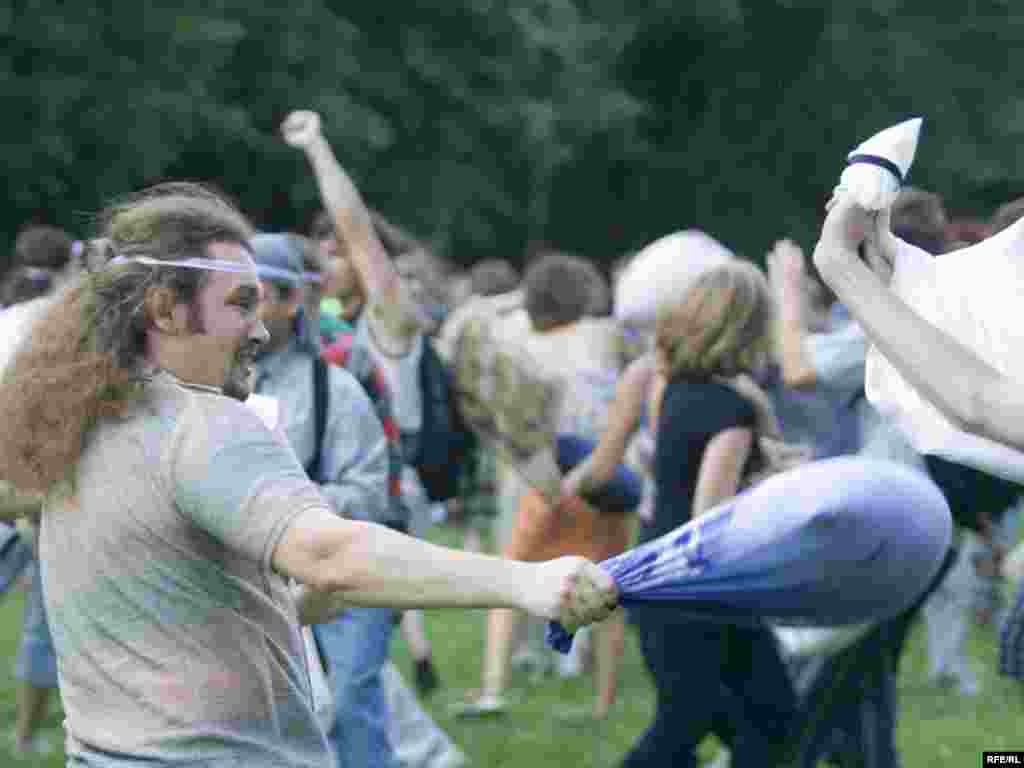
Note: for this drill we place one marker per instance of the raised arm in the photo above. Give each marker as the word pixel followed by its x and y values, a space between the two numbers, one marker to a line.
pixel 786 273
pixel 969 392
pixel 353 223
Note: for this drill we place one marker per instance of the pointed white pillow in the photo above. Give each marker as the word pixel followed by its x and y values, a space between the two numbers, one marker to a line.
pixel 878 167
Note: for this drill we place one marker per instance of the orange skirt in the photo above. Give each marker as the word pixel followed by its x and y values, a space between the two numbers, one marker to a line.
pixel 572 527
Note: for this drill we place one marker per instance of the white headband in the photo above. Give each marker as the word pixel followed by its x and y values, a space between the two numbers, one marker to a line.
pixel 210 265
pixel 219 265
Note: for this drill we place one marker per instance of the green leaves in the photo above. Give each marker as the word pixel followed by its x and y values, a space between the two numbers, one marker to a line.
pixel 593 124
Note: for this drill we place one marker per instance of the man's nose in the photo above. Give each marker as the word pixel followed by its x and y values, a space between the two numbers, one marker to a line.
pixel 259 335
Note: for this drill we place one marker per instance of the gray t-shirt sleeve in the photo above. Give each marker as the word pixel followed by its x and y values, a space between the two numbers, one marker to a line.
pixel 838 359
pixel 231 477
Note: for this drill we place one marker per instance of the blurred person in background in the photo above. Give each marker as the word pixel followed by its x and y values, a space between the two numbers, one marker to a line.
pixel 1001 563
pixel 962 232
pixel 584 355
pixel 416 739
pixel 709 676
pixel 1005 215
pixel 459 289
pixel 23 284
pixel 815 415
pixel 340 288
pixel 476 506
pixel 834 360
pixel 491 277
pixel 45 258
pixel 599 303
pixel 391 284
pixel 333 429
pixel 421 272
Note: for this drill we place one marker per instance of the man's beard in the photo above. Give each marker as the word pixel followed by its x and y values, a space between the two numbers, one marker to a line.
pixel 241 378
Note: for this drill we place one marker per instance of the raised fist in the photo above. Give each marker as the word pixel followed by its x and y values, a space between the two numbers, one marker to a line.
pixel 300 129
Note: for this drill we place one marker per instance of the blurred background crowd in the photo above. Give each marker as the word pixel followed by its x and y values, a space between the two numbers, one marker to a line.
pixel 514 159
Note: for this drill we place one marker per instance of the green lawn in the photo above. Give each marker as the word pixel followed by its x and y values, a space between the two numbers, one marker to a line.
pixel 937 728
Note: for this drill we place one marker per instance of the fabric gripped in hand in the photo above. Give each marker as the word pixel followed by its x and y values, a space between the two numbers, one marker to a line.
pixel 834 542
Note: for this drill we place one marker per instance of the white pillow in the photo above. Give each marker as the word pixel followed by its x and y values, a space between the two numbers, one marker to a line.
pixel 974 295
pixel 663 271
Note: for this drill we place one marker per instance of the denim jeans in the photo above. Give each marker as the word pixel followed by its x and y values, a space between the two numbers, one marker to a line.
pixel 36 662
pixel 355 647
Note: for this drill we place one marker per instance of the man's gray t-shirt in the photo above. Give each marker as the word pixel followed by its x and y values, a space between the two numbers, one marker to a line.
pixel 176 641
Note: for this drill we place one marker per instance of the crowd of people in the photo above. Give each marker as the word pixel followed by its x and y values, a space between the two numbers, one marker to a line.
pixel 224 449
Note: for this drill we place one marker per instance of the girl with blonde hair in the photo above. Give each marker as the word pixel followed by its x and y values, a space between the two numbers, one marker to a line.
pixel 708 677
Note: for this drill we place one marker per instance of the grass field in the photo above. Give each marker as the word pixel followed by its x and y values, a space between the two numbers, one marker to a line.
pixel 937 728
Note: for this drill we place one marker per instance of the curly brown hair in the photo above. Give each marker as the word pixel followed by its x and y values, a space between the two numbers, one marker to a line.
pixel 83 359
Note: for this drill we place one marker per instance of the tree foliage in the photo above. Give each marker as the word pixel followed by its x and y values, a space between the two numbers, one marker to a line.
pixel 595 125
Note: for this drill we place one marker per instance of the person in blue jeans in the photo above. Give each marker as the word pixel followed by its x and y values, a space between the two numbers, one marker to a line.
pixel 36 669
pixel 346 454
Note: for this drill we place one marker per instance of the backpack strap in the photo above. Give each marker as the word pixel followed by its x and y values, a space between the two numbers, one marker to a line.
pixel 319 416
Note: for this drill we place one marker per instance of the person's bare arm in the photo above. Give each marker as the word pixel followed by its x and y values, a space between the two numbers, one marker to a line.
pixel 353 226
pixel 969 392
pixel 721 467
pixel 786 272
pixel 344 563
pixel 623 417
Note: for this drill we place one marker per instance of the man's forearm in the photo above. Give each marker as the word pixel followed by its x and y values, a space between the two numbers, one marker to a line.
pixel 369 565
pixel 379 567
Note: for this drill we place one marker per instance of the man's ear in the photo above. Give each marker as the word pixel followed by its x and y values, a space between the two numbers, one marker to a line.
pixel 165 312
